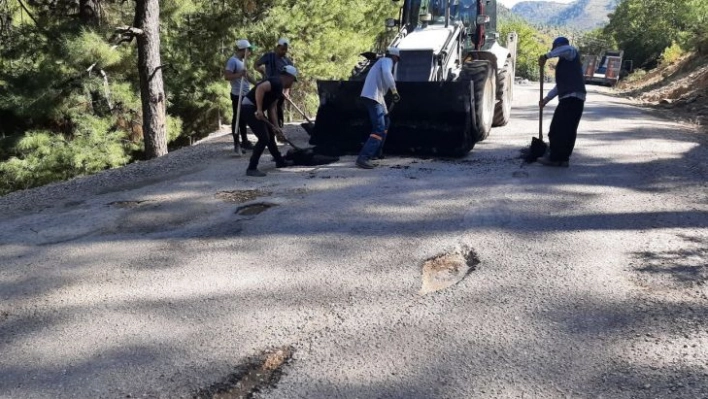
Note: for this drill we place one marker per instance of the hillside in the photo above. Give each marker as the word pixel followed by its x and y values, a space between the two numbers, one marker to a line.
pixel 580 14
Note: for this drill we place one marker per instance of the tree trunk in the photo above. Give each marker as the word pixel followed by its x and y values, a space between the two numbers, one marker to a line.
pixel 147 17
pixel 89 12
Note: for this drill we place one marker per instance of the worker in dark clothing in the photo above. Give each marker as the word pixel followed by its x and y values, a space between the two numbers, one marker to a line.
pixel 570 90
pixel 270 65
pixel 259 106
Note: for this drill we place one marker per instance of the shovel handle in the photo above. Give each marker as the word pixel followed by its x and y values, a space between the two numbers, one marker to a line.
pixel 287 140
pixel 298 109
pixel 540 108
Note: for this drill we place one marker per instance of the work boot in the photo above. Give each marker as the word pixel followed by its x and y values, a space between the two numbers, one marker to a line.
pixel 365 164
pixel 548 162
pixel 255 173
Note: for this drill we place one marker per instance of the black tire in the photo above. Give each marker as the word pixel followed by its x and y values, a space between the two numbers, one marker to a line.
pixel 482 75
pixel 505 93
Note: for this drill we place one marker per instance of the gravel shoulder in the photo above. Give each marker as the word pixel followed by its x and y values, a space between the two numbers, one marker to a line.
pixel 168 278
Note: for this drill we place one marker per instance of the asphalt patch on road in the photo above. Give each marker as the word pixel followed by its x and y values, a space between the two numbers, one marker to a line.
pixel 254 375
pixel 254 209
pixel 240 196
pixel 127 204
pixel 445 270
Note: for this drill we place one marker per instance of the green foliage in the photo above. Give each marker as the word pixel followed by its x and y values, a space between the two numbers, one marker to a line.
pixel 671 54
pixel 42 156
pixel 646 28
pixel 595 42
pixel 636 76
pixel 532 44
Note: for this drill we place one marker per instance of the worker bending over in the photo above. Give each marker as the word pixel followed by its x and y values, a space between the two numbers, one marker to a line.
pixel 378 82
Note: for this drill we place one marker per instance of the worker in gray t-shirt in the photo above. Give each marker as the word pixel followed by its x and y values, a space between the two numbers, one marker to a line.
pixel 271 64
pixel 234 71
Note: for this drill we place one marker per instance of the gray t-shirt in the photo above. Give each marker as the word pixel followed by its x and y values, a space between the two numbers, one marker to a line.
pixel 273 64
pixel 234 65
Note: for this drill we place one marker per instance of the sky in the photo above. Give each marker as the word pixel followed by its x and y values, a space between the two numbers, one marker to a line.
pixel 511 3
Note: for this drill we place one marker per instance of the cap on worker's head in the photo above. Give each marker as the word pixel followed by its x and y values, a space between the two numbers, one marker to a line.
pixel 283 42
pixel 243 44
pixel 290 70
pixel 393 51
pixel 561 41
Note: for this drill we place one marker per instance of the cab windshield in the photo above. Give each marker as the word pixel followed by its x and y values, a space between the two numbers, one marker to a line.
pixel 464 11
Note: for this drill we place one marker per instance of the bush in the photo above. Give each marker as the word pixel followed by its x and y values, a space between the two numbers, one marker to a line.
pixel 42 157
pixel 636 76
pixel 671 54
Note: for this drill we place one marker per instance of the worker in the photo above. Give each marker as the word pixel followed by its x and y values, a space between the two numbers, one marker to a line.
pixel 259 107
pixel 378 82
pixel 570 90
pixel 270 65
pixel 234 72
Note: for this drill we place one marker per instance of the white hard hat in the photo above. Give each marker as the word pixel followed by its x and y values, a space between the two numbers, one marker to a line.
pixel 243 44
pixel 283 42
pixel 290 70
pixel 394 51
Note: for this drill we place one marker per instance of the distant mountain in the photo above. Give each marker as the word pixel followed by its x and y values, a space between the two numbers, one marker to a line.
pixel 538 12
pixel 580 14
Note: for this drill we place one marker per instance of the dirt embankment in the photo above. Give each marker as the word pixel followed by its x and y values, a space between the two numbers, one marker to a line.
pixel 679 89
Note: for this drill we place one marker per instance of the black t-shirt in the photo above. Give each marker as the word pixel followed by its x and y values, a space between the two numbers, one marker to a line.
pixel 273 64
pixel 270 97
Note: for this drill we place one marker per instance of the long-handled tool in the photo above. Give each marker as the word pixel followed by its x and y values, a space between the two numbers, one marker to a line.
pixel 309 126
pixel 284 137
pixel 538 147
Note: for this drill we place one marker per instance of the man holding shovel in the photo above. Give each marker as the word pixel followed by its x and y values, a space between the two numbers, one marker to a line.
pixel 259 108
pixel 378 82
pixel 238 75
pixel 570 90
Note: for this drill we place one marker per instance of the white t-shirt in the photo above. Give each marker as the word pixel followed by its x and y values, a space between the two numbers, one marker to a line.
pixel 379 81
pixel 235 65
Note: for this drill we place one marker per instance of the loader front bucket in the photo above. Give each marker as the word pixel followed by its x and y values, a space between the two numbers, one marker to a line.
pixel 433 118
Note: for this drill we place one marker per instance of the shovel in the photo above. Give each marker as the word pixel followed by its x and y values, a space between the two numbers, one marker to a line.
pixel 284 137
pixel 309 126
pixel 538 147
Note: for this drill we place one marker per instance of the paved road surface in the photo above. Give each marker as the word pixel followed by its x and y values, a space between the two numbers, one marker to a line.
pixel 590 281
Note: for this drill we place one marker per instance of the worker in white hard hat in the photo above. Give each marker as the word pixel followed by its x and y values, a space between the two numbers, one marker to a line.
pixel 378 82
pixel 260 110
pixel 270 65
pixel 234 72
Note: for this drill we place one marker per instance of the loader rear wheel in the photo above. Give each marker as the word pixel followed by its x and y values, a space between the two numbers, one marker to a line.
pixel 505 87
pixel 483 77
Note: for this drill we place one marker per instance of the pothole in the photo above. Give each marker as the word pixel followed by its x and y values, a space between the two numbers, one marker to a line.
pixel 128 204
pixel 240 196
pixel 254 375
pixel 254 209
pixel 448 269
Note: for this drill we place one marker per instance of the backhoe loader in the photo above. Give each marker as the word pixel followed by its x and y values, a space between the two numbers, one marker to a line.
pixel 455 79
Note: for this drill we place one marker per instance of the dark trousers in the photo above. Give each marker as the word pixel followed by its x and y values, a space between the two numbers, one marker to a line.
pixel 265 137
pixel 564 128
pixel 241 122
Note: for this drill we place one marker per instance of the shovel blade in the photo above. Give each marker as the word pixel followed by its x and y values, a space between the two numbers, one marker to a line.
pixel 537 150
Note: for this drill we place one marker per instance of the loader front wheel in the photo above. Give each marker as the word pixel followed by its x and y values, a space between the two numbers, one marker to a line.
pixel 505 87
pixel 482 75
